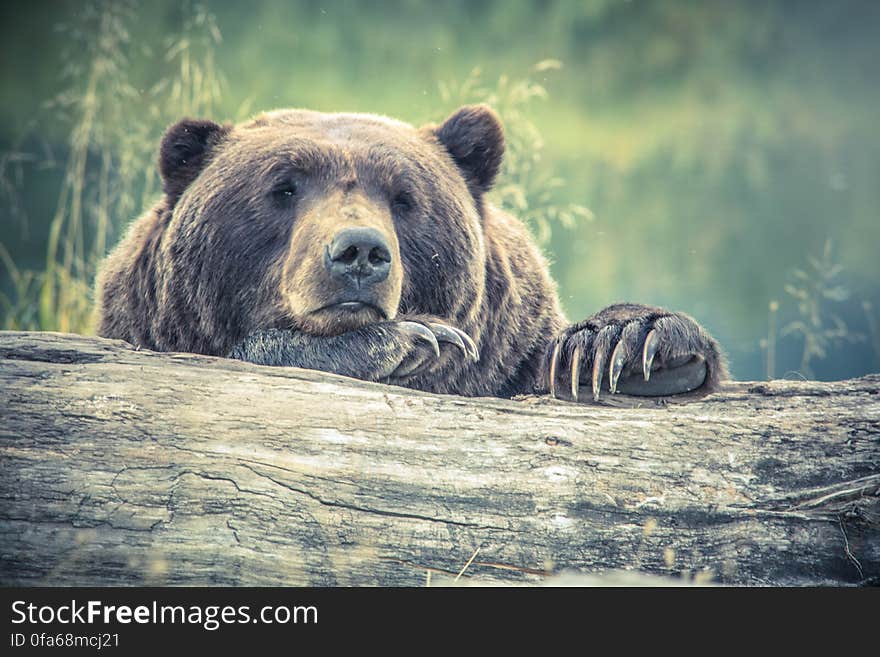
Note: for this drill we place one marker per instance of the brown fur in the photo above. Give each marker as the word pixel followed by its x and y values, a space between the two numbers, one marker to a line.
pixel 230 260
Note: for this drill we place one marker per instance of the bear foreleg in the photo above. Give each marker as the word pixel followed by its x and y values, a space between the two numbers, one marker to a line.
pixel 391 352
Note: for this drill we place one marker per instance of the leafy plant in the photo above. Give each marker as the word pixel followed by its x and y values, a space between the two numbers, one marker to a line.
pixel 526 187
pixel 815 289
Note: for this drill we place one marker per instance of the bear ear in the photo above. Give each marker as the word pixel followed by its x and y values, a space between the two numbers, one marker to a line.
pixel 184 151
pixel 475 139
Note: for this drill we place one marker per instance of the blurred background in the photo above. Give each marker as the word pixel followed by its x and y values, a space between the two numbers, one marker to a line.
pixel 720 158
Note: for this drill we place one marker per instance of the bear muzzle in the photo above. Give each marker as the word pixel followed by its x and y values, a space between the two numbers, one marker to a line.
pixel 358 260
pixel 344 268
pixel 358 257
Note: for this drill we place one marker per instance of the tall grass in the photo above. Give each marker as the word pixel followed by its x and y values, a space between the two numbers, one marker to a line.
pixel 109 171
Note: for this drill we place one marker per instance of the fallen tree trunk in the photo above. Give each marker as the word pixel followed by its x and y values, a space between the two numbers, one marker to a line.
pixel 127 467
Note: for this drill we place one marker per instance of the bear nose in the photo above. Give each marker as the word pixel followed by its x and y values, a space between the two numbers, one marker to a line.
pixel 360 255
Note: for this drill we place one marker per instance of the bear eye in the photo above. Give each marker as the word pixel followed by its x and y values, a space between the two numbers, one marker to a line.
pixel 284 191
pixel 402 202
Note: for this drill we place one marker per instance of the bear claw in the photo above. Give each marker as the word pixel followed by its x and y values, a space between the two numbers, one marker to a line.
pixel 618 359
pixel 554 363
pixel 575 372
pixel 598 367
pixel 457 337
pixel 434 333
pixel 652 344
pixel 422 332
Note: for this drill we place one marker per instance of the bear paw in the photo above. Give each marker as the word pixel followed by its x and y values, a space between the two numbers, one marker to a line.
pixel 644 351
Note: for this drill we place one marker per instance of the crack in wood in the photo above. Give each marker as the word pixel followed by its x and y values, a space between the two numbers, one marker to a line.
pixel 380 512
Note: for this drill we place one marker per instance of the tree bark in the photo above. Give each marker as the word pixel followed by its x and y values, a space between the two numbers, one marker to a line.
pixel 126 467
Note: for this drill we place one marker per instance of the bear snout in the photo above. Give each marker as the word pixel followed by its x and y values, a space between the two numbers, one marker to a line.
pixel 343 269
pixel 358 257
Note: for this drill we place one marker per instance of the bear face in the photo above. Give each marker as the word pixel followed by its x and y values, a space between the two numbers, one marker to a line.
pixel 323 222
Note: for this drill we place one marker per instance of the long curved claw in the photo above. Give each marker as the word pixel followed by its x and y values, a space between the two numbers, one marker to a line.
pixel 473 352
pixel 652 344
pixel 422 332
pixel 618 359
pixel 575 372
pixel 598 368
pixel 457 337
pixel 554 363
pixel 445 333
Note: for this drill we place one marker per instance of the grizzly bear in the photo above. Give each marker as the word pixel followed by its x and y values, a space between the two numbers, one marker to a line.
pixel 363 246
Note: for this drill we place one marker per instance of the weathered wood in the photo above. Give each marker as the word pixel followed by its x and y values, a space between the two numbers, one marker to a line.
pixel 126 467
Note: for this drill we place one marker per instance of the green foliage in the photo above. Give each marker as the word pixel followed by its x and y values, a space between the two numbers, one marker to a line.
pixel 816 289
pixel 19 309
pixel 527 187
pixel 109 171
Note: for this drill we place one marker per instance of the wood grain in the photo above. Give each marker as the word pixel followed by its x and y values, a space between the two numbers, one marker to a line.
pixel 125 467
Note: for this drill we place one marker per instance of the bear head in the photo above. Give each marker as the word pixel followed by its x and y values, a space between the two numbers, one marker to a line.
pixel 324 222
